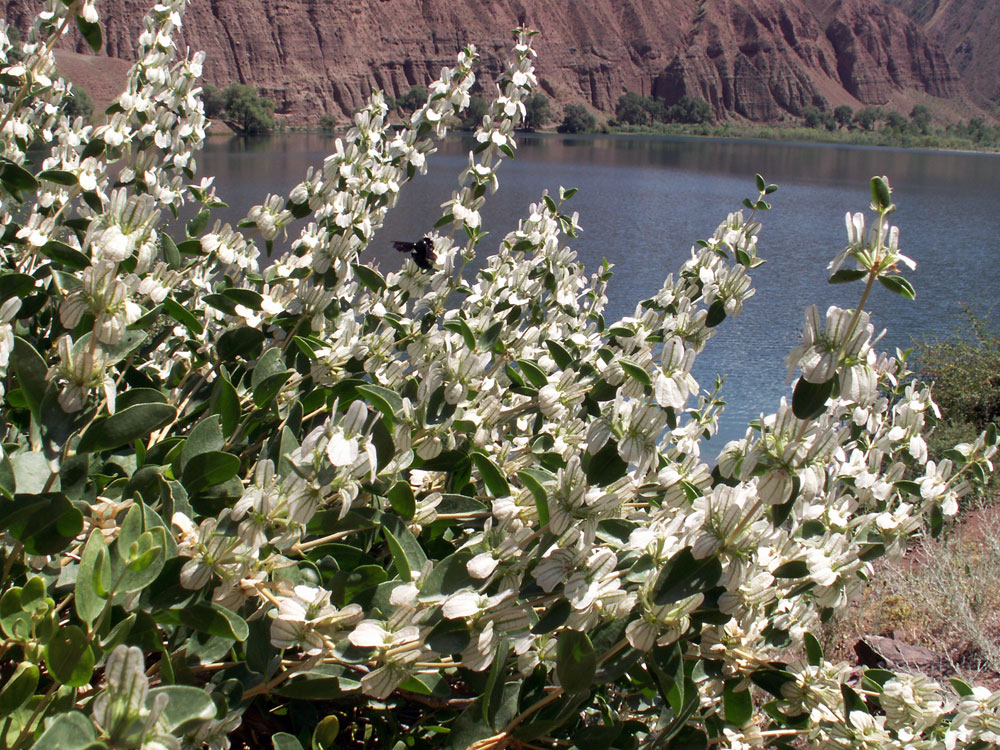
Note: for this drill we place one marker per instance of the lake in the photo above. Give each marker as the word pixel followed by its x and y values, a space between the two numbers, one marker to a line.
pixel 643 201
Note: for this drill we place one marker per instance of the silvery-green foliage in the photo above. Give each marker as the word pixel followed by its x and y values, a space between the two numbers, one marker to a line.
pixel 440 505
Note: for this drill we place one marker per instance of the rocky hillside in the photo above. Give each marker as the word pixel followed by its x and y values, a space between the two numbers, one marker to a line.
pixel 969 32
pixel 759 60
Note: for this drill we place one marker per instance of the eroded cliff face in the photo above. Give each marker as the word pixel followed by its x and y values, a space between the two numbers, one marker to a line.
pixel 756 59
pixel 969 32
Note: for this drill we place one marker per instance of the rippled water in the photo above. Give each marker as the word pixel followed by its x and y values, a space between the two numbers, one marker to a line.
pixel 643 201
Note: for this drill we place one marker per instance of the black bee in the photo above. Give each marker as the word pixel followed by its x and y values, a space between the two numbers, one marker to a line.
pixel 422 249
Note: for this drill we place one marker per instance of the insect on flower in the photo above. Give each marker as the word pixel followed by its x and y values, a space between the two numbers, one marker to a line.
pixel 422 249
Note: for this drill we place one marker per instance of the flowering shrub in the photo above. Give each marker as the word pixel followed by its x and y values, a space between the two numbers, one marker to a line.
pixel 427 508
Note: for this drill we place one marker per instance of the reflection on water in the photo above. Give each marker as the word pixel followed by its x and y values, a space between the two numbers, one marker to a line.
pixel 643 201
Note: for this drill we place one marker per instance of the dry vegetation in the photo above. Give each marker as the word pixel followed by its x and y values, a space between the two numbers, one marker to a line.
pixel 944 595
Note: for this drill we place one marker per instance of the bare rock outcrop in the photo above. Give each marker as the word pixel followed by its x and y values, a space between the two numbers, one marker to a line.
pixel 762 60
pixel 968 31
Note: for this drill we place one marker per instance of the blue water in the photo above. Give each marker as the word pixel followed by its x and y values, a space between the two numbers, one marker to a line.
pixel 643 201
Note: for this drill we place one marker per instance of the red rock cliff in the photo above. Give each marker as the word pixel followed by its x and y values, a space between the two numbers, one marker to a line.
pixel 755 59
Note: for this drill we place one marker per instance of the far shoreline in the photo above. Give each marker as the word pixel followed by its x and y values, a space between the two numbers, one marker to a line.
pixel 798 136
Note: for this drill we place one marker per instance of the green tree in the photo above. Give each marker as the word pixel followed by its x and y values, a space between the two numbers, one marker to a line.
pixel 413 99
pixel 632 109
pixel 576 119
pixel 537 111
pixel 964 368
pixel 896 122
pixel 246 111
pixel 691 110
pixel 817 118
pixel 79 104
pixel 478 107
pixel 866 117
pixel 843 115
pixel 213 99
pixel 977 129
pixel 327 123
pixel 921 118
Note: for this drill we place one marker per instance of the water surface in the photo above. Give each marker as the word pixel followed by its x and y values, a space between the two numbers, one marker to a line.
pixel 643 201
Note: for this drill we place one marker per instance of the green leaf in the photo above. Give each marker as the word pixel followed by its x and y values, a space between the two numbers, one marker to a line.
pixel 186 707
pixel 535 375
pixel 560 355
pixel 809 399
pixel 814 651
pixel 285 741
pixel 738 704
pixel 461 327
pixel 204 437
pixel 576 663
pixel 847 275
pixel 388 402
pixel 134 396
pixel 183 316
pixel 852 703
pixel 761 183
pixel 46 523
pixel 68 731
pixel 214 619
pixel 143 560
pixel 239 342
pixel 220 302
pixel 881 194
pixel 449 575
pixel 16 285
pixel 685 737
pixel 91 32
pixel 325 682
pixel 772 680
pixel 325 734
pixel 555 617
pixel 31 373
pixel 127 344
pixel 68 656
pixel 266 392
pixel 898 285
pixel 93 578
pixel 18 688
pixel 16 178
pixel 31 472
pixel 792 569
pixel 716 313
pixel 875 679
pixel 246 297
pixel 492 694
pixel 449 637
pixel 369 277
pixel 209 469
pixel 170 252
pixel 63 253
pixel 530 479
pixel 407 554
pixel 122 427
pixel 402 501
pixel 59 176
pixel 349 585
pixel 271 362
pixel 963 688
pixel 197 225
pixel 635 371
pixel 493 478
pixel 605 466
pixel 683 575
pixel 226 403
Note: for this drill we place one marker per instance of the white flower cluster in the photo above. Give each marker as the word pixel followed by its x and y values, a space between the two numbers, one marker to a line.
pixel 428 471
